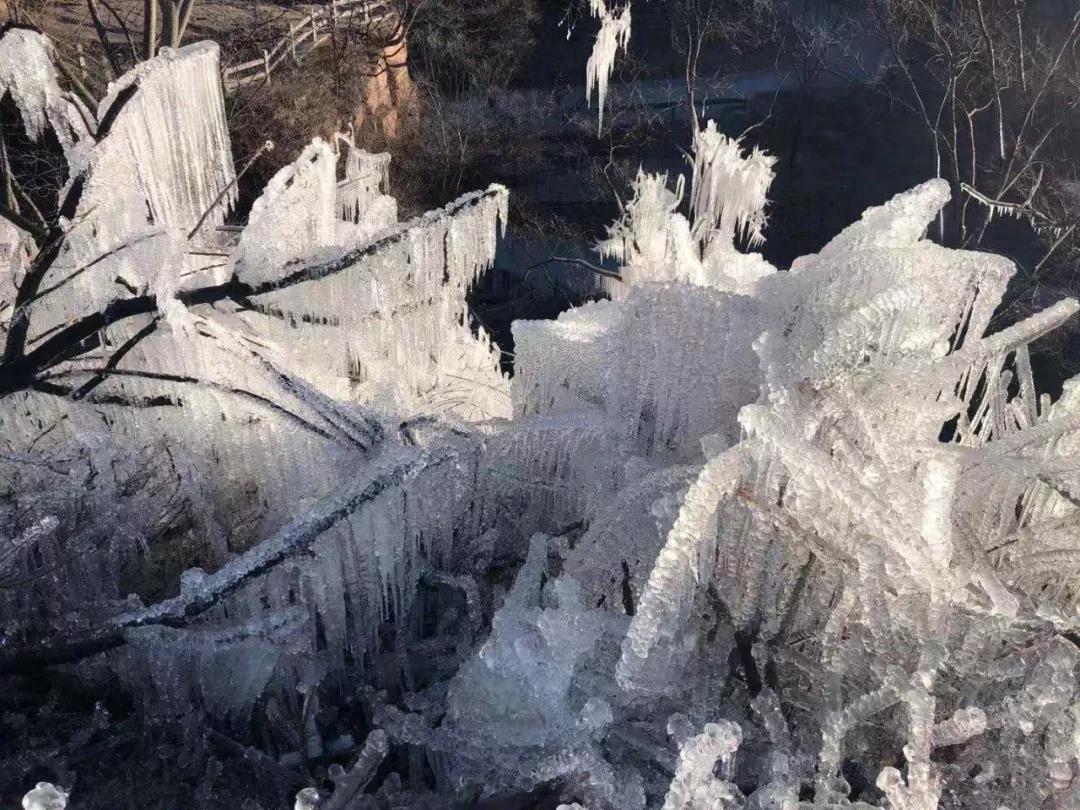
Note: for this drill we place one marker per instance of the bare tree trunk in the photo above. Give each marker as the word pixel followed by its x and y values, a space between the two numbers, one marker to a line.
pixel 170 24
pixel 150 24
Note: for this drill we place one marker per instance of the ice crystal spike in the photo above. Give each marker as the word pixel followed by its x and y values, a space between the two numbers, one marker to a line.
pixel 728 189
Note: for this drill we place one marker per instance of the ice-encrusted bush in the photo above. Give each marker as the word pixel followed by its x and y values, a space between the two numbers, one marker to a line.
pixel 736 538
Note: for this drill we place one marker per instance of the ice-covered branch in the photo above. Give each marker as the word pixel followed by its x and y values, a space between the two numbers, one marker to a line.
pixel 291 540
pixel 80 337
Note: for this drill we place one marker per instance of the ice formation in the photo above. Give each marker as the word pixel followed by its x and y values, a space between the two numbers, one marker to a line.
pixel 874 446
pixel 45 796
pixel 518 683
pixel 137 183
pixel 250 428
pixel 614 36
pixel 653 241
pixel 694 785
pixel 729 189
pixel 736 538
pixel 295 216
pixel 28 73
pixel 366 182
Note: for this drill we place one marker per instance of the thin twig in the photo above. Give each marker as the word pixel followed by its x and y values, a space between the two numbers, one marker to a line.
pixel 600 271
pixel 103 36
pixel 266 147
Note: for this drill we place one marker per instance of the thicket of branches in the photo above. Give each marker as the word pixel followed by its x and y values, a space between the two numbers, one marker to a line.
pixel 994 83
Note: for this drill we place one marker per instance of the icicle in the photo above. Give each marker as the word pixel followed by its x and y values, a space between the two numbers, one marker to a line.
pixel 614 35
pixel 27 72
pixel 728 195
pixel 179 177
pixel 396 312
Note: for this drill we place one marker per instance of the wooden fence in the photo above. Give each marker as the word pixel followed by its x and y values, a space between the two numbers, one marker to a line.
pixel 305 36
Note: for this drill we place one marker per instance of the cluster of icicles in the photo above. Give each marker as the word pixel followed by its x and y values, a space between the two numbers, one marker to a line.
pixel 798 540
pixel 613 37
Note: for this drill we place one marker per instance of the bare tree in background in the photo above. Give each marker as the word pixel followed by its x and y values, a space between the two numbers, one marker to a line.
pixel 698 25
pixel 164 23
pixel 994 83
pixel 175 16
pixel 812 35
pixel 462 46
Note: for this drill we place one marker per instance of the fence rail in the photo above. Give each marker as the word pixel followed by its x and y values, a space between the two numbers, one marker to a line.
pixel 304 36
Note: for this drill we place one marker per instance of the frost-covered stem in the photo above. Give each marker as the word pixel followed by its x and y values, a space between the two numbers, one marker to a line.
pixel 349 785
pixel 939 485
pixel 102 373
pixel 679 567
pixel 694 784
pixel 965 723
pixel 1053 248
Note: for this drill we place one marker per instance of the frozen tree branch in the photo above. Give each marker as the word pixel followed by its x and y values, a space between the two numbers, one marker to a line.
pixel 19 371
pixel 180 611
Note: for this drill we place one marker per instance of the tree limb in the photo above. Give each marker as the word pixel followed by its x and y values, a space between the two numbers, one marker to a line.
pixel 103 36
pixel 19 369
pixel 293 539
